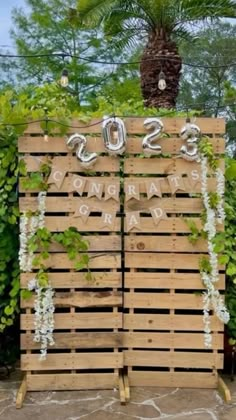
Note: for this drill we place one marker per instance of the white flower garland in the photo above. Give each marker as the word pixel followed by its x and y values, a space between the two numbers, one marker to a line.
pixel 44 316
pixel 212 298
pixel 43 304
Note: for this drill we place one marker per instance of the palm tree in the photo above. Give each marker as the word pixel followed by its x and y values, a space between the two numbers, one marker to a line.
pixel 161 23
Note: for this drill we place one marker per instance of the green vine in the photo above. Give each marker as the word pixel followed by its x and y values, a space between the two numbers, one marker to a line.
pixel 38 180
pixel 73 243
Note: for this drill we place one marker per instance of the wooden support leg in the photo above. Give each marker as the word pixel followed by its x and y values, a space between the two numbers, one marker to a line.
pixel 224 390
pixel 21 393
pixel 127 389
pixel 122 389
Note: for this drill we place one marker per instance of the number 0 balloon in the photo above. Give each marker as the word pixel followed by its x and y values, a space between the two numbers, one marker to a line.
pixel 115 145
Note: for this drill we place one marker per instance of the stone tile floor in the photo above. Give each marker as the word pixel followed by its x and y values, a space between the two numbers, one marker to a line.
pixel 146 404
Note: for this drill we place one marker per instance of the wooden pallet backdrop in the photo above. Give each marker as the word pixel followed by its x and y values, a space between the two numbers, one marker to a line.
pixel 161 327
pixel 88 314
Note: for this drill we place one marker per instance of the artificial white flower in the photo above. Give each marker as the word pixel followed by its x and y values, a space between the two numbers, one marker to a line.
pixel 212 298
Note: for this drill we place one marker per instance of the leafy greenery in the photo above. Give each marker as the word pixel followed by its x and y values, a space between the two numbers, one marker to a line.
pixel 73 243
pixel 229 240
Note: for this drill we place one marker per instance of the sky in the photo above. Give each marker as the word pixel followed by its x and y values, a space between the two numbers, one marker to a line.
pixel 6 7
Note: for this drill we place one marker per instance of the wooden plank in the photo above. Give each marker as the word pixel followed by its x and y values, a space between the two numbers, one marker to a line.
pixel 160 322
pixel 171 225
pixel 173 379
pixel 105 261
pixel 169 146
pixel 33 163
pixel 96 243
pixel 188 281
pixel 163 260
pixel 127 388
pixel 95 144
pixel 162 301
pixel 94 224
pixel 191 360
pixel 67 204
pixel 84 321
pixel 64 361
pixel 78 280
pixel 160 243
pixel 81 300
pixel 154 340
pixel 136 125
pixel 157 166
pixel 169 204
pixel 69 382
pixel 68 340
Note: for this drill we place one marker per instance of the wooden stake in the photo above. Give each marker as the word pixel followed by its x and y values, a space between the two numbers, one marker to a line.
pixel 122 390
pixel 21 393
pixel 224 390
pixel 127 389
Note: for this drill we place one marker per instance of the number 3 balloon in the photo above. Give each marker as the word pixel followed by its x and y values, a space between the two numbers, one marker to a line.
pixel 149 146
pixel 191 133
pixel 87 160
pixel 117 126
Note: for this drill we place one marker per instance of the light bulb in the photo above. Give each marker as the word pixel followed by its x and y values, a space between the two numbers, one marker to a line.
pixel 162 84
pixel 64 78
pixel 162 81
pixel 45 136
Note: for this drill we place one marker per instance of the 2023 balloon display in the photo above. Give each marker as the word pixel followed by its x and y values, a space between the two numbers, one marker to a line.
pixel 115 140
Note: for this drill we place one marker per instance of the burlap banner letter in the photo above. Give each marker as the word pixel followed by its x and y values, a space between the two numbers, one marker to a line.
pixel 133 220
pixel 56 177
pixel 132 191
pixel 112 190
pixel 95 189
pixel 108 220
pixel 194 177
pixel 83 211
pixel 77 184
pixel 153 188
pixel 158 214
pixel 176 183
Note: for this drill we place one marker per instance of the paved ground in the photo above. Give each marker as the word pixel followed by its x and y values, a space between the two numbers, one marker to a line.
pixel 146 404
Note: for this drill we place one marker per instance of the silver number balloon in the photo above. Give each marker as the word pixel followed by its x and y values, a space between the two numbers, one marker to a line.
pixel 149 146
pixel 87 160
pixel 116 144
pixel 191 133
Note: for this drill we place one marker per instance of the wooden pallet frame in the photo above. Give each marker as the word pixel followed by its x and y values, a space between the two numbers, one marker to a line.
pixel 159 336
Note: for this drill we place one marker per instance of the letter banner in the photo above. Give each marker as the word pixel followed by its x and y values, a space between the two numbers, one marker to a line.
pixel 194 177
pixel 95 189
pixel 56 177
pixel 153 188
pixel 109 219
pixel 83 211
pixel 133 220
pixel 176 183
pixel 77 183
pixel 132 190
pixel 158 214
pixel 112 190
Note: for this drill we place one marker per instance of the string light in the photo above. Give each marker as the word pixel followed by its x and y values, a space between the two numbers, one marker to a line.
pixel 64 82
pixel 161 81
pixel 121 63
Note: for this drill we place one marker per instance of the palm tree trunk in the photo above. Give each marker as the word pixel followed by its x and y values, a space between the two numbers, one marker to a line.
pixel 160 54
